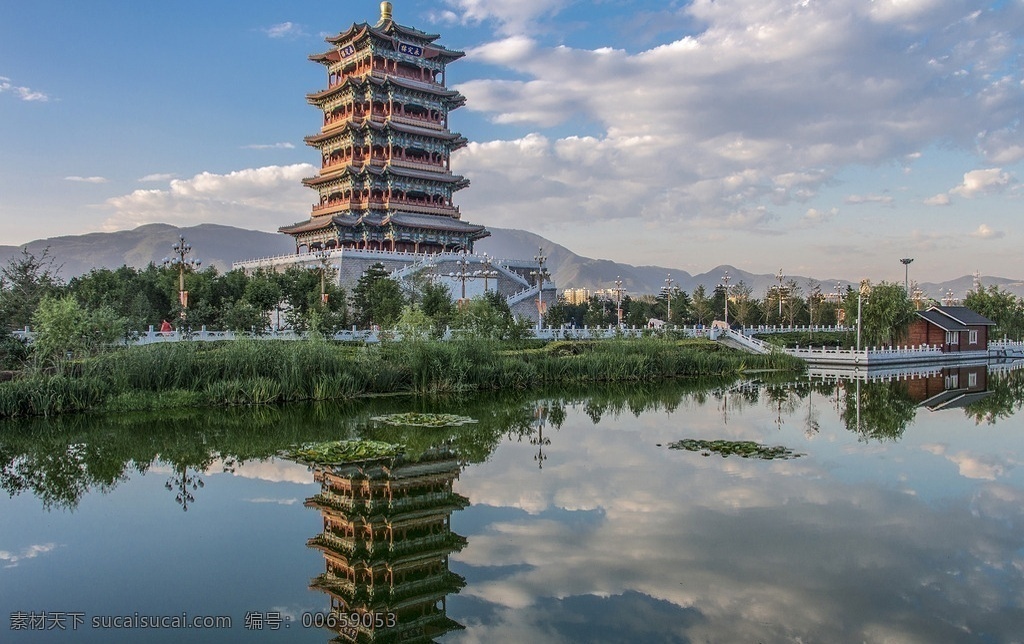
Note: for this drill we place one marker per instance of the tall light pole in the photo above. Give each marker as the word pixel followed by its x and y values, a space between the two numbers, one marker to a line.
pixel 618 290
pixel 667 290
pixel 906 274
pixel 725 283
pixel 539 275
pixel 324 257
pixel 181 249
pixel 487 270
pixel 779 277
pixel 864 289
pixel 462 275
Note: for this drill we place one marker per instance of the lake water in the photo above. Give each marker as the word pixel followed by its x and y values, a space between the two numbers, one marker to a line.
pixel 564 517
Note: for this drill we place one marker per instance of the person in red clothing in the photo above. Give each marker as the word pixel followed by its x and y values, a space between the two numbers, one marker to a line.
pixel 166 328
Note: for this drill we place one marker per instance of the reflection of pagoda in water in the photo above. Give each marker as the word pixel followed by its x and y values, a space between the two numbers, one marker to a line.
pixel 386 542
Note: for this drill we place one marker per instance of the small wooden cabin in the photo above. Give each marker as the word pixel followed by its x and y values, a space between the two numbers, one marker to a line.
pixel 953 328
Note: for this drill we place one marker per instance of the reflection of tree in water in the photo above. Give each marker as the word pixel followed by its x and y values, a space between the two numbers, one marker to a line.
pixel 1005 400
pixel 386 542
pixel 878 410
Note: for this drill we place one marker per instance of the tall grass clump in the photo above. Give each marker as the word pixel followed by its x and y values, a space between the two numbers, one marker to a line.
pixel 251 372
pixel 50 396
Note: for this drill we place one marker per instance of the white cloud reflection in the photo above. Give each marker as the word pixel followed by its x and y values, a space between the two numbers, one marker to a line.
pixel 798 550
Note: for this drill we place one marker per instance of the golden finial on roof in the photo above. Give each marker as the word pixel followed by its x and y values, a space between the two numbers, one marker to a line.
pixel 385 11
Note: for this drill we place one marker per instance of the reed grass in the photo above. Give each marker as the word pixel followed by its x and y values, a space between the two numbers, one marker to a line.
pixel 266 372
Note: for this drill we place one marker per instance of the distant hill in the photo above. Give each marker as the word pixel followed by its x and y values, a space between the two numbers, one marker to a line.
pixel 219 246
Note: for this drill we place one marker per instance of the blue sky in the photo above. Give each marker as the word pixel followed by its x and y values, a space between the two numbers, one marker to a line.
pixel 827 138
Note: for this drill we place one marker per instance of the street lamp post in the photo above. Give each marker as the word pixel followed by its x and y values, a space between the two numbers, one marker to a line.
pixel 618 290
pixel 779 277
pixel 324 257
pixel 462 275
pixel 906 274
pixel 667 290
pixel 181 249
pixel 725 283
pixel 540 274
pixel 487 270
pixel 861 292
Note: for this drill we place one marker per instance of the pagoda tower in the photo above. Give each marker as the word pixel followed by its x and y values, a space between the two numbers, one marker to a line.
pixel 385 182
pixel 386 541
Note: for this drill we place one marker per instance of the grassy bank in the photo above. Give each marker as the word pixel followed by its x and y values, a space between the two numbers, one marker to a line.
pixel 185 374
pixel 841 339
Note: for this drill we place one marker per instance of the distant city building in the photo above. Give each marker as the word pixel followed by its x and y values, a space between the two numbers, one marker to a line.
pixel 385 184
pixel 576 295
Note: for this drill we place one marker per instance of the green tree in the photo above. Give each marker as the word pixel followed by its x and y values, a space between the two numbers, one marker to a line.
pixel 378 299
pixel 24 282
pixel 66 330
pixel 1000 306
pixel 742 305
pixel 488 317
pixel 701 305
pixel 886 313
pixel 437 304
pixel 792 302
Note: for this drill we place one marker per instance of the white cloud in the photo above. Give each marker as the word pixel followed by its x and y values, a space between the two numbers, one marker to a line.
pixel 166 176
pixel 87 179
pixel 269 146
pixel 758 110
pixel 285 30
pixel 941 199
pixel 985 232
pixel 24 93
pixel 982 182
pixel 510 17
pixel 262 198
pixel 869 198
pixel 813 216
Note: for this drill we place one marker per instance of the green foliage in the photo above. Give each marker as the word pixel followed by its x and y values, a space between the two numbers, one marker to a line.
pixel 414 324
pixel 1000 306
pixel 886 313
pixel 701 306
pixel 65 330
pixel 377 298
pixel 24 282
pixel 257 372
pixel 843 339
pixel 142 298
pixel 13 352
pixel 241 315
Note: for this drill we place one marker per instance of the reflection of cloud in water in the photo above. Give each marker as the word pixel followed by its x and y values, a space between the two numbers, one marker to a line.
pixel 971 465
pixel 763 551
pixel 272 470
pixel 277 501
pixel 11 559
pixel 979 466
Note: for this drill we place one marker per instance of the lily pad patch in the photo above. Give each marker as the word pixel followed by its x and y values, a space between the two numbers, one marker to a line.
pixel 743 449
pixel 414 419
pixel 336 452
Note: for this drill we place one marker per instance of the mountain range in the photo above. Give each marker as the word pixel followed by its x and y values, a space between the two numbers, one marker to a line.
pixel 219 246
